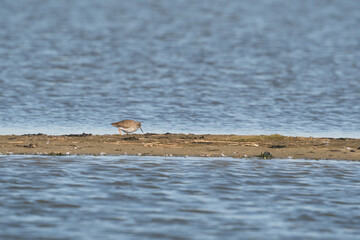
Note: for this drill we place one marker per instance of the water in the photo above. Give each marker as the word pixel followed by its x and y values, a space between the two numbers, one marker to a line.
pixel 224 66
pixel 207 66
pixel 124 197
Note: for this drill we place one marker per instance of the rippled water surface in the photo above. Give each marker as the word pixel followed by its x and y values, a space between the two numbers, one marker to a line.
pixel 224 66
pixel 124 197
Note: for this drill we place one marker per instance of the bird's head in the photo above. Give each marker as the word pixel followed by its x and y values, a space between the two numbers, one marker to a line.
pixel 139 126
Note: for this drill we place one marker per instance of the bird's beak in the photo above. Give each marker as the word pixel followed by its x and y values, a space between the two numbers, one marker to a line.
pixel 141 129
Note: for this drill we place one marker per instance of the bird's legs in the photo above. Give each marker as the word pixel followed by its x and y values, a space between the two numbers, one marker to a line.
pixel 120 132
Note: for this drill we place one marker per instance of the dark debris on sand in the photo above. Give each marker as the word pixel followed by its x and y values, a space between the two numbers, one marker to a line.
pixel 39 134
pixel 277 146
pixel 266 155
pixel 132 138
pixel 79 135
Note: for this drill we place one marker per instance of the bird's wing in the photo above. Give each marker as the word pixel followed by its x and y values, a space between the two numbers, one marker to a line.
pixel 125 123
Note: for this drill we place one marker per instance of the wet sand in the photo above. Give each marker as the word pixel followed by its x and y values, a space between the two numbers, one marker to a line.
pixel 263 146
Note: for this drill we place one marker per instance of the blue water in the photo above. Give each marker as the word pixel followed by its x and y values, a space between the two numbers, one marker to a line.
pixel 214 66
pixel 124 197
pixel 288 67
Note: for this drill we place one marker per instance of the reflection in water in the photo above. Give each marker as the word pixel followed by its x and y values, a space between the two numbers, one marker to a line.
pixel 124 197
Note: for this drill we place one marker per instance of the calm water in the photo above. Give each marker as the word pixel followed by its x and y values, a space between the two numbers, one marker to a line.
pixel 177 198
pixel 224 66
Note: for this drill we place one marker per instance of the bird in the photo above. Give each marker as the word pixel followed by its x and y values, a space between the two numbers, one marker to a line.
pixel 127 126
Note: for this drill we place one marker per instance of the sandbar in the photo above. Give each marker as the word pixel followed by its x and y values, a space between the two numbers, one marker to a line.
pixel 151 144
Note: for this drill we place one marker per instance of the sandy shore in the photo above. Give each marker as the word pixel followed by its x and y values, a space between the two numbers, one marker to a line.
pixel 266 146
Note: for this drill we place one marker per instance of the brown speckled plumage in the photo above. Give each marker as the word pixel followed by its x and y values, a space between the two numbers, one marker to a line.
pixel 127 126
